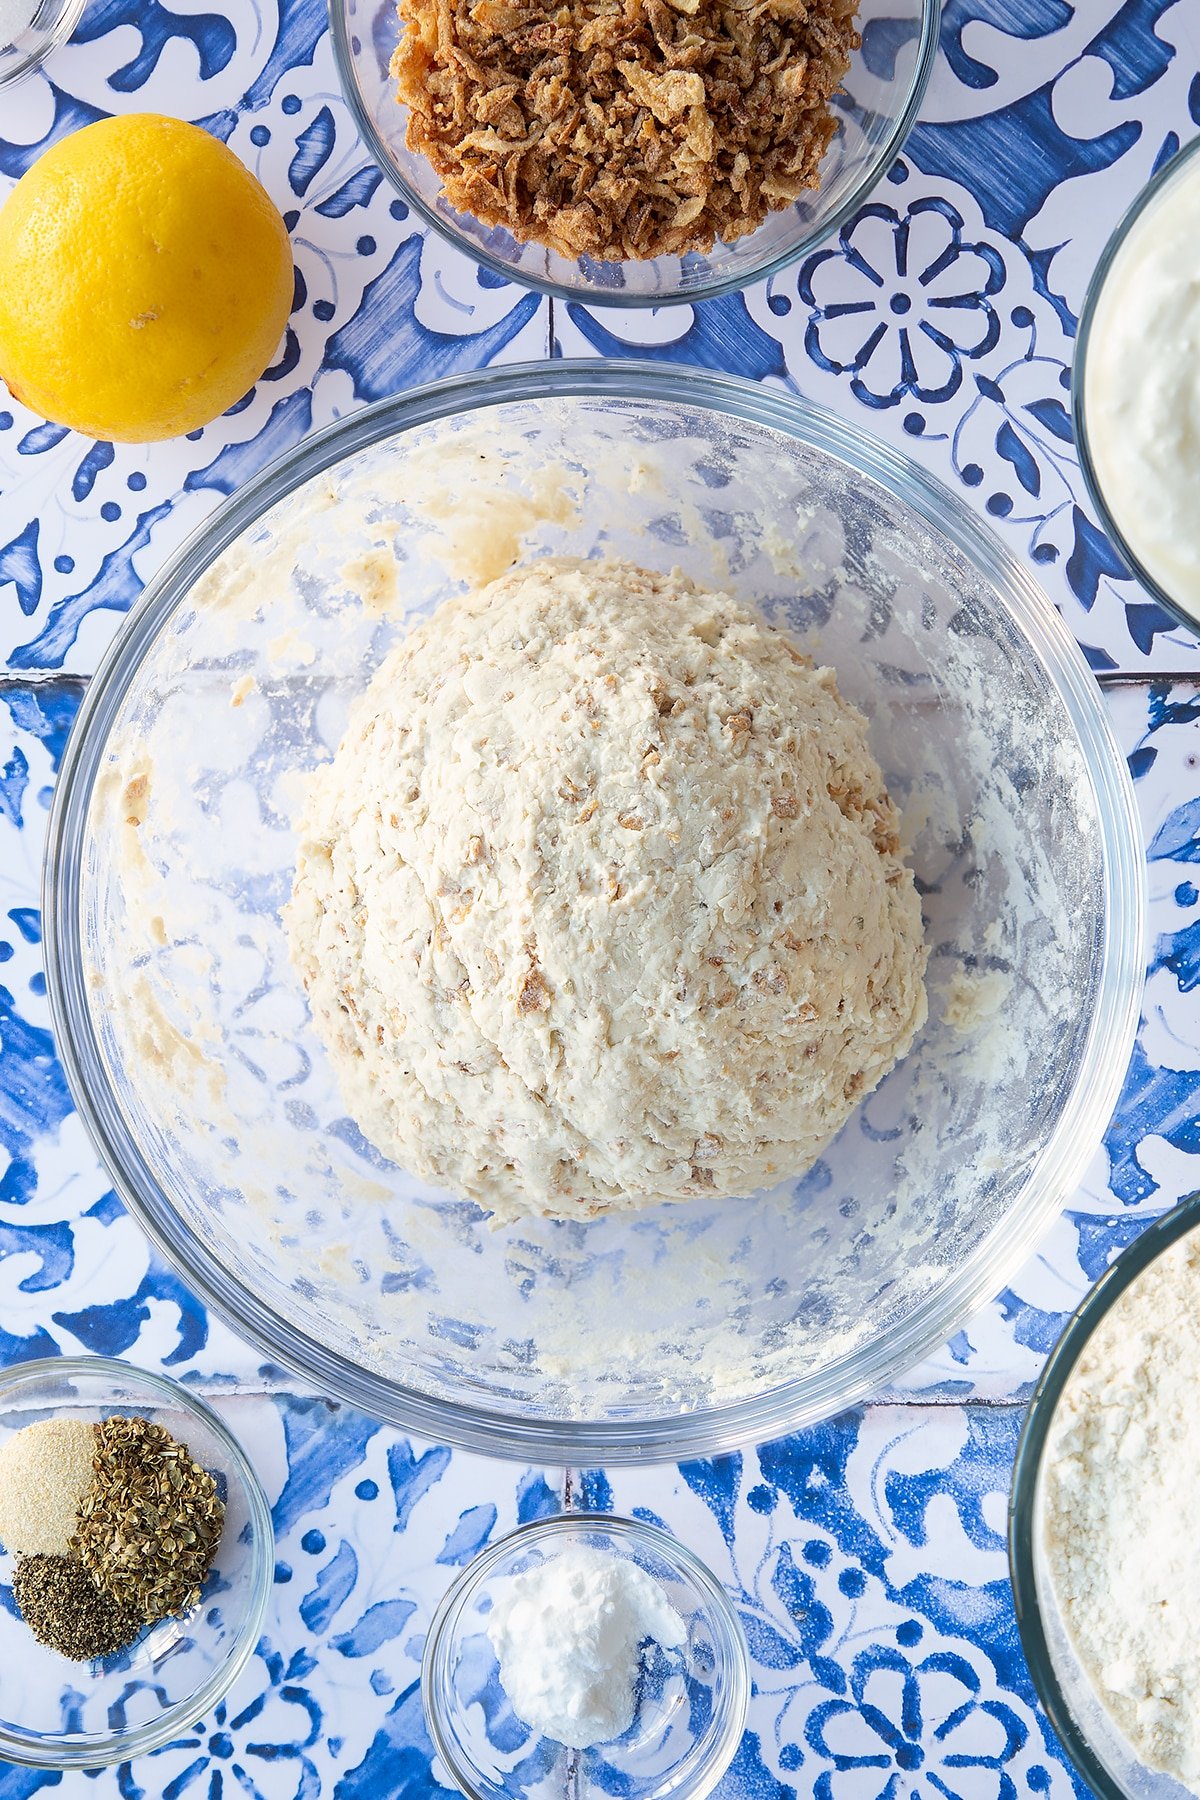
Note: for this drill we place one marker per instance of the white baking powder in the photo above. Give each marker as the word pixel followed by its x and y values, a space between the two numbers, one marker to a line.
pixel 568 1637
pixel 16 16
pixel 1122 1474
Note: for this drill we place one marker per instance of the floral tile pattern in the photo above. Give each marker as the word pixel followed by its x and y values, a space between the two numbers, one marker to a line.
pixel 934 330
pixel 1148 1159
pixel 866 1558
pixel 377 307
pixel 370 1530
pixel 867 1554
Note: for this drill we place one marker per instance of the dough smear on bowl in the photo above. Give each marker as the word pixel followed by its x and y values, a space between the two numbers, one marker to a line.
pixel 601 901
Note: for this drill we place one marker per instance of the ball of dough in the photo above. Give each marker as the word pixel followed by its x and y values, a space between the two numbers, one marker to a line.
pixel 601 902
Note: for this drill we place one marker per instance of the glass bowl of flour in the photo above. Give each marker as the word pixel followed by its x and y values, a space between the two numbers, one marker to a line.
pixel 677 1329
pixel 587 1650
pixel 1101 1536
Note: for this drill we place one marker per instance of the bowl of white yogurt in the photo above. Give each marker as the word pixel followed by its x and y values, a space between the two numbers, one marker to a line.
pixel 1102 1538
pixel 1136 386
pixel 589 1653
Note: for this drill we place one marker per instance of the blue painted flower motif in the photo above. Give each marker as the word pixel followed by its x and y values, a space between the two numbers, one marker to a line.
pixel 914 1728
pixel 241 1753
pixel 901 302
pixel 1014 441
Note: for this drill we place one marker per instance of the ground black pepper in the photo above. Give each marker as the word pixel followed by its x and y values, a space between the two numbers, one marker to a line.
pixel 64 1608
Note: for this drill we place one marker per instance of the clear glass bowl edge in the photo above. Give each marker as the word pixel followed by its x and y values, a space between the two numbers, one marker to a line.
pixel 558 1441
pixel 566 1525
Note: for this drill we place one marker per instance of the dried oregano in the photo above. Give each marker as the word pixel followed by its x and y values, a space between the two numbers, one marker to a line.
pixel 150 1522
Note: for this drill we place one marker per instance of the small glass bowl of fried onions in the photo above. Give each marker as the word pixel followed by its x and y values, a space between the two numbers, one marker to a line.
pixel 634 152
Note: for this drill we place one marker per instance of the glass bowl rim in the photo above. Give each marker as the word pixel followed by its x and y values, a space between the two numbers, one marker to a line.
pixel 1145 197
pixel 1088 1316
pixel 872 174
pixel 117 1746
pixel 53 39
pixel 566 1525
pixel 848 1378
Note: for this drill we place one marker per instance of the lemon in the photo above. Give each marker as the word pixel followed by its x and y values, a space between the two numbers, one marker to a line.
pixel 145 280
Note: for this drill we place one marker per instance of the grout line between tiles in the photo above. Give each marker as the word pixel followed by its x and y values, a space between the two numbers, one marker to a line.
pixel 1115 678
pixel 25 678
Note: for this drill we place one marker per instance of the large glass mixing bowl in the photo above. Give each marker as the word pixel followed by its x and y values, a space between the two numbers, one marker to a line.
pixel 184 1030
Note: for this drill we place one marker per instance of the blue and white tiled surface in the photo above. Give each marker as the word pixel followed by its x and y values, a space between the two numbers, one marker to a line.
pixel 866 1555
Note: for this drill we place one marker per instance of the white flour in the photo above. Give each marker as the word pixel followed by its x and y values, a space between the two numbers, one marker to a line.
pixel 568 1638
pixel 16 16
pixel 1122 1469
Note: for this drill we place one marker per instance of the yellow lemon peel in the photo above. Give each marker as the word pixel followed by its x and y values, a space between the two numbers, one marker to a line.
pixel 145 280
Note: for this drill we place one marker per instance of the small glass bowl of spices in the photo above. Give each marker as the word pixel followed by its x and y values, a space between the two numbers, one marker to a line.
pixel 589 1655
pixel 136 1560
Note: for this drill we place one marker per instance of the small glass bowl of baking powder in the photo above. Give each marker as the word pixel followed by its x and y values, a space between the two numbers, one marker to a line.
pixel 61 1714
pixel 29 31
pixel 688 1700
pixel 1106 1466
